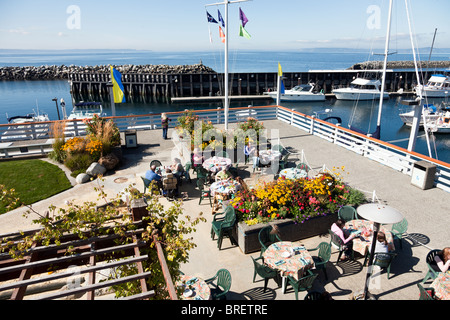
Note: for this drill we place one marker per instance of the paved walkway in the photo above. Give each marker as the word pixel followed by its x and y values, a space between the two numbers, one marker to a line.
pixel 425 210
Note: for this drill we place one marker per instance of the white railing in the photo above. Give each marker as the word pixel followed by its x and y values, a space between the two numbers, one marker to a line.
pixel 385 153
pixel 388 154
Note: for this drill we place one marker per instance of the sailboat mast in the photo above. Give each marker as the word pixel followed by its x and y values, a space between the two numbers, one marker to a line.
pixel 386 53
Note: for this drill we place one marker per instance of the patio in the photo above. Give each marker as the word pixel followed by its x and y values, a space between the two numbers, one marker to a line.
pixel 425 210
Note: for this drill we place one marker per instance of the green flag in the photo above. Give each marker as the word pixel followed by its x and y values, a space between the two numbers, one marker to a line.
pixel 243 32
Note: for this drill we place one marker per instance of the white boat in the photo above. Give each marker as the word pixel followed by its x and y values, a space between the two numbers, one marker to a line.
pixel 429 111
pixel 26 127
pixel 86 110
pixel 438 86
pixel 360 89
pixel 440 125
pixel 304 92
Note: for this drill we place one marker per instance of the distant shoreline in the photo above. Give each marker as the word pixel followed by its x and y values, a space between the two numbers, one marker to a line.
pixel 62 72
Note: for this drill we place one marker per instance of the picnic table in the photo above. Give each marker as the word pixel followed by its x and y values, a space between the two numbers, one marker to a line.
pixel 195 288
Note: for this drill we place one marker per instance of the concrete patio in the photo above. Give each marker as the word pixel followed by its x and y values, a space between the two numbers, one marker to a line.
pixel 425 210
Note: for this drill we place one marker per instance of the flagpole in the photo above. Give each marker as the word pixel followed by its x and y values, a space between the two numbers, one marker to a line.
pixel 226 99
pixel 279 90
pixel 226 102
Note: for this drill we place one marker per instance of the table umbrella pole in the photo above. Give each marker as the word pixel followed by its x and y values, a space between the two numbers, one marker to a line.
pixel 376 227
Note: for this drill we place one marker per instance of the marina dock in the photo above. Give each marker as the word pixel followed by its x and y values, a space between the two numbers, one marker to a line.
pixel 425 210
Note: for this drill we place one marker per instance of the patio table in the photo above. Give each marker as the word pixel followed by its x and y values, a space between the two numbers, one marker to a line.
pixel 293 173
pixel 215 164
pixel 268 156
pixel 441 286
pixel 222 190
pixel 195 288
pixel 362 243
pixel 289 258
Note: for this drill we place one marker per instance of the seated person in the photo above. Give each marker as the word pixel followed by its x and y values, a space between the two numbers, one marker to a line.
pixel 177 169
pixel 170 185
pixel 443 259
pixel 153 176
pixel 223 174
pixel 337 228
pixel 381 245
pixel 197 158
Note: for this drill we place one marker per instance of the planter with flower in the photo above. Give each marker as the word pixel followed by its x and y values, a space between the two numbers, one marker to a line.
pixel 300 208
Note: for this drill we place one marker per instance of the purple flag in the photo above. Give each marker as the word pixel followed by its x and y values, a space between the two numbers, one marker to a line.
pixel 242 17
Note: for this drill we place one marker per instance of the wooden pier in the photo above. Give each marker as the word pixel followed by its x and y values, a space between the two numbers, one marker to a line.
pixel 175 86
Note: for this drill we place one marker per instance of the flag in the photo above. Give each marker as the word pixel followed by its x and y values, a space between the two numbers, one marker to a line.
pixel 222 35
pixel 280 72
pixel 242 17
pixel 243 32
pixel 220 19
pixel 282 87
pixel 118 90
pixel 210 18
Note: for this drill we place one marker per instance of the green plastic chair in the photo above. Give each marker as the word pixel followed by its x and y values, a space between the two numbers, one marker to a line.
pixel 186 174
pixel 221 284
pixel 149 185
pixel 266 237
pixel 398 229
pixel 303 166
pixel 337 242
pixel 303 284
pixel 222 225
pixel 347 213
pixel 146 183
pixel 157 163
pixel 204 193
pixel 264 272
pixel 432 265
pixel 425 293
pixel 283 162
pixel 383 260
pixel 323 256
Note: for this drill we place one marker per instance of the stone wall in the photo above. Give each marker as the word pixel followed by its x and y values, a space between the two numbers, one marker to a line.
pixel 62 72
pixel 371 65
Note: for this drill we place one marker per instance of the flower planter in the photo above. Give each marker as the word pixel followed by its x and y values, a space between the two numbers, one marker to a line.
pixel 247 236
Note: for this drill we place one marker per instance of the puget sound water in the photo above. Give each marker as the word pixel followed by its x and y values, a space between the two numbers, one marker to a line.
pixel 22 97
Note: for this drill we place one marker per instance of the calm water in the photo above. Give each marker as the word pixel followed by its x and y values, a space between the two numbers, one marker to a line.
pixel 22 97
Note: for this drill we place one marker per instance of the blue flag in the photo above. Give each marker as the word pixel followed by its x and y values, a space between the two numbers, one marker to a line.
pixel 221 19
pixel 282 87
pixel 118 90
pixel 210 18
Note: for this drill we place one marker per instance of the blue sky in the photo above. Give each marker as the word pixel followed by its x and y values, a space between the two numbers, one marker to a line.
pixel 174 25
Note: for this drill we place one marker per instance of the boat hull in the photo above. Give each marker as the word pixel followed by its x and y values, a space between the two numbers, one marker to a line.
pixel 297 97
pixel 358 95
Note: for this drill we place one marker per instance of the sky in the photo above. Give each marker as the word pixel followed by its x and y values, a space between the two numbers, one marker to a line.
pixel 181 25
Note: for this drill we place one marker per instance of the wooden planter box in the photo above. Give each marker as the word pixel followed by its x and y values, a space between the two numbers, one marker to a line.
pixel 247 236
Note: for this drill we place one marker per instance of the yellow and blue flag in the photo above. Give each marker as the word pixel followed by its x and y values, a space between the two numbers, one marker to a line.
pixel 118 90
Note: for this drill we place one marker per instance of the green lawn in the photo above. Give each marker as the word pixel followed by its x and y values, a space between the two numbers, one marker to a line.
pixel 33 180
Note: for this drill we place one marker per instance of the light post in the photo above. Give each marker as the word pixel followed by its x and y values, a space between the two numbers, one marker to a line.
pixel 57 109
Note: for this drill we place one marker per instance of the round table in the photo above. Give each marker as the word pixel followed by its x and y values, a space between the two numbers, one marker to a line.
pixel 290 258
pixel 224 187
pixel 194 288
pixel 362 243
pixel 293 173
pixel 215 164
pixel 441 286
pixel 267 156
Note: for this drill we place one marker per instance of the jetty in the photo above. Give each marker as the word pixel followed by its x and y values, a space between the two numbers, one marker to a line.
pixel 425 210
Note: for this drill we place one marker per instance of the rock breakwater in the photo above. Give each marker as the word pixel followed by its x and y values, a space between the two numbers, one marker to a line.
pixel 62 72
pixel 374 65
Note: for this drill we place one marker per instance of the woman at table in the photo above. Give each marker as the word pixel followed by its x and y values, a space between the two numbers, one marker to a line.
pixel 338 229
pixel 381 245
pixel 244 186
pixel 197 158
pixel 177 169
pixel 223 174
pixel 443 259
